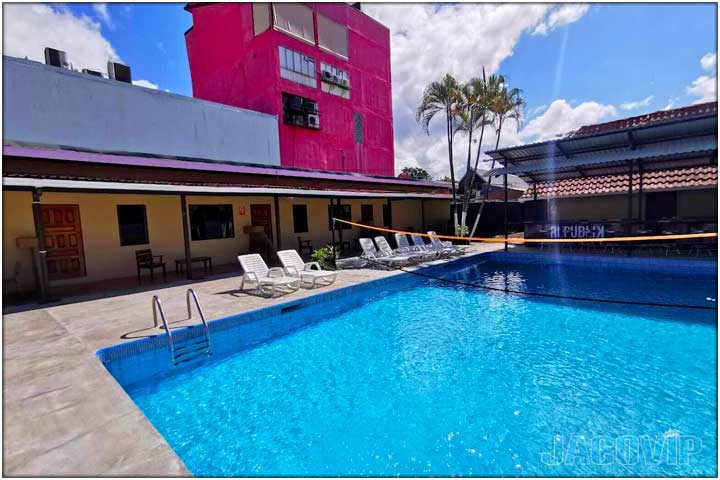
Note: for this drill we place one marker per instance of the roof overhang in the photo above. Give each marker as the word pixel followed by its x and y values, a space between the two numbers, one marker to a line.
pixel 672 144
pixel 47 184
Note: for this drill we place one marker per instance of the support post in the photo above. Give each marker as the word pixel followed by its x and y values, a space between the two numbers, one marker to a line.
pixel 422 213
pixel 628 230
pixel 505 213
pixel 186 236
pixel 641 217
pixel 340 230
pixel 277 224
pixel 41 252
pixel 389 210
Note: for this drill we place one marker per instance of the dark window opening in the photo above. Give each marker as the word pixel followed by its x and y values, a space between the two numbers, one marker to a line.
pixel 343 212
pixel 659 205
pixel 387 215
pixel 208 222
pixel 366 213
pixel 132 221
pixel 300 111
pixel 300 218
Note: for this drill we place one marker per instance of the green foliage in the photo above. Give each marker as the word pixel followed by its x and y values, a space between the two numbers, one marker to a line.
pixel 415 172
pixel 325 256
pixel 461 230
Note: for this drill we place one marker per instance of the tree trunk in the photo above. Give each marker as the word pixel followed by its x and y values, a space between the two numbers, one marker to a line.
pixel 466 189
pixel 489 180
pixel 452 167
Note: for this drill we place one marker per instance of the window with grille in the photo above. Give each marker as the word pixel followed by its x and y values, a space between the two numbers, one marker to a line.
pixel 296 67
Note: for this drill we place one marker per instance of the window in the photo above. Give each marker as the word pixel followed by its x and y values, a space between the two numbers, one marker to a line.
pixel 261 17
pixel 332 36
pixel 294 19
pixel 209 222
pixel 334 80
pixel 387 215
pixel 343 212
pixel 300 111
pixel 300 219
pixel 358 127
pixel 132 221
pixel 296 67
pixel 366 213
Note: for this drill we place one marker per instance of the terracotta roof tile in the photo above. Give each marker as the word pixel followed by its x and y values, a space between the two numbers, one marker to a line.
pixel 706 176
pixel 648 119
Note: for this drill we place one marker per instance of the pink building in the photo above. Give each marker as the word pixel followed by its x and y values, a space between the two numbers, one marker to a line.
pixel 322 68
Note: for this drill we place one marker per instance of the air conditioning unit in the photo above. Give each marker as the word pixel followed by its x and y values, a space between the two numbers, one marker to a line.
pixel 309 107
pixel 327 76
pixel 92 72
pixel 56 58
pixel 335 79
pixel 296 103
pixel 345 83
pixel 119 72
pixel 313 121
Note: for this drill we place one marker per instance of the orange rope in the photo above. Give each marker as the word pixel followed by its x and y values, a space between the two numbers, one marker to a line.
pixel 536 240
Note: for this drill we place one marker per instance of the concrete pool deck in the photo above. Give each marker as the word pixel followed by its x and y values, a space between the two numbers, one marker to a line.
pixel 64 414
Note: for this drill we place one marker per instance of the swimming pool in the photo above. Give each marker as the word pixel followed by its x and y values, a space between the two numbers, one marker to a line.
pixel 412 376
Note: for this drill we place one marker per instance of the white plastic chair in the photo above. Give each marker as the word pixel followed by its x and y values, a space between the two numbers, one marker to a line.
pixel 268 280
pixel 296 267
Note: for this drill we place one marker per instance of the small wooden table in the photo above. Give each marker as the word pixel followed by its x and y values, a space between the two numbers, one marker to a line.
pixel 180 264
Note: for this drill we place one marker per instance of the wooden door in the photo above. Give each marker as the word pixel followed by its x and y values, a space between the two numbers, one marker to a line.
pixel 63 240
pixel 261 216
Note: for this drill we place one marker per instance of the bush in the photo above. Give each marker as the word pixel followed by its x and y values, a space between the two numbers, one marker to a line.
pixel 325 256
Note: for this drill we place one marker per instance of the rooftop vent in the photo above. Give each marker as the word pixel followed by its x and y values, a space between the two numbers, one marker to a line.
pixel 56 58
pixel 119 72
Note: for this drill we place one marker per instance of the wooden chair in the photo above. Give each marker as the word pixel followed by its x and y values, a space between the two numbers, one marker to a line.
pixel 146 259
pixel 304 247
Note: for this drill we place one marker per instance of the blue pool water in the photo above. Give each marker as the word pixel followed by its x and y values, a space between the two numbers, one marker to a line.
pixel 419 377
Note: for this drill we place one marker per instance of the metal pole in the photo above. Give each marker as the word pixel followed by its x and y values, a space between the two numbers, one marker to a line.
pixel 186 236
pixel 277 223
pixel 505 214
pixel 641 217
pixel 41 252
pixel 630 202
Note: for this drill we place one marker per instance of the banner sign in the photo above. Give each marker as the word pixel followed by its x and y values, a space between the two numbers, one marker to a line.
pixel 577 231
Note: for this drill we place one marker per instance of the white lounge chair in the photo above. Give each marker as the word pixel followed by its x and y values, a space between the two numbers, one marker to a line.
pixel 441 251
pixel 387 251
pixel 457 250
pixel 296 267
pixel 402 242
pixel 376 258
pixel 268 280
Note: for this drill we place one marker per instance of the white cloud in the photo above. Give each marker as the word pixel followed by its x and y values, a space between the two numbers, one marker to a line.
pixel 146 84
pixel 101 10
pixel 428 40
pixel 636 104
pixel 29 28
pixel 561 15
pixel 709 62
pixel 562 118
pixel 705 86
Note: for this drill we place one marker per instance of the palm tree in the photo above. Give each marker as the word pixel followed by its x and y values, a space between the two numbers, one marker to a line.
pixel 506 105
pixel 443 96
pixel 479 94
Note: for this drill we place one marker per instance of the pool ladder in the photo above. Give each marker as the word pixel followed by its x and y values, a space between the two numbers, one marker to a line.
pixel 183 352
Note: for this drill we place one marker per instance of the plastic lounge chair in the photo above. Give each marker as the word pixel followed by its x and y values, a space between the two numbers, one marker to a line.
pixel 444 252
pixel 404 245
pixel 446 244
pixel 269 280
pixel 375 258
pixel 296 267
pixel 387 251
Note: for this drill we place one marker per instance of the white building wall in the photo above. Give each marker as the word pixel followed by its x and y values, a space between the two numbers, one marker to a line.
pixel 50 105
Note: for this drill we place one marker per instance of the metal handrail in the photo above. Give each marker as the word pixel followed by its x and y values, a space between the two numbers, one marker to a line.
pixel 157 305
pixel 190 292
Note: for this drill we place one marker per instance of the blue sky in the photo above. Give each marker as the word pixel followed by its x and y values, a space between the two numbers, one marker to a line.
pixel 576 63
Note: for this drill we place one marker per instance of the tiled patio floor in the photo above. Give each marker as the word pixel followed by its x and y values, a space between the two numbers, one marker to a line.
pixel 65 415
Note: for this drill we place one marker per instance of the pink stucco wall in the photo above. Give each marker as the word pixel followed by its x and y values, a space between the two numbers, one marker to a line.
pixel 229 65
